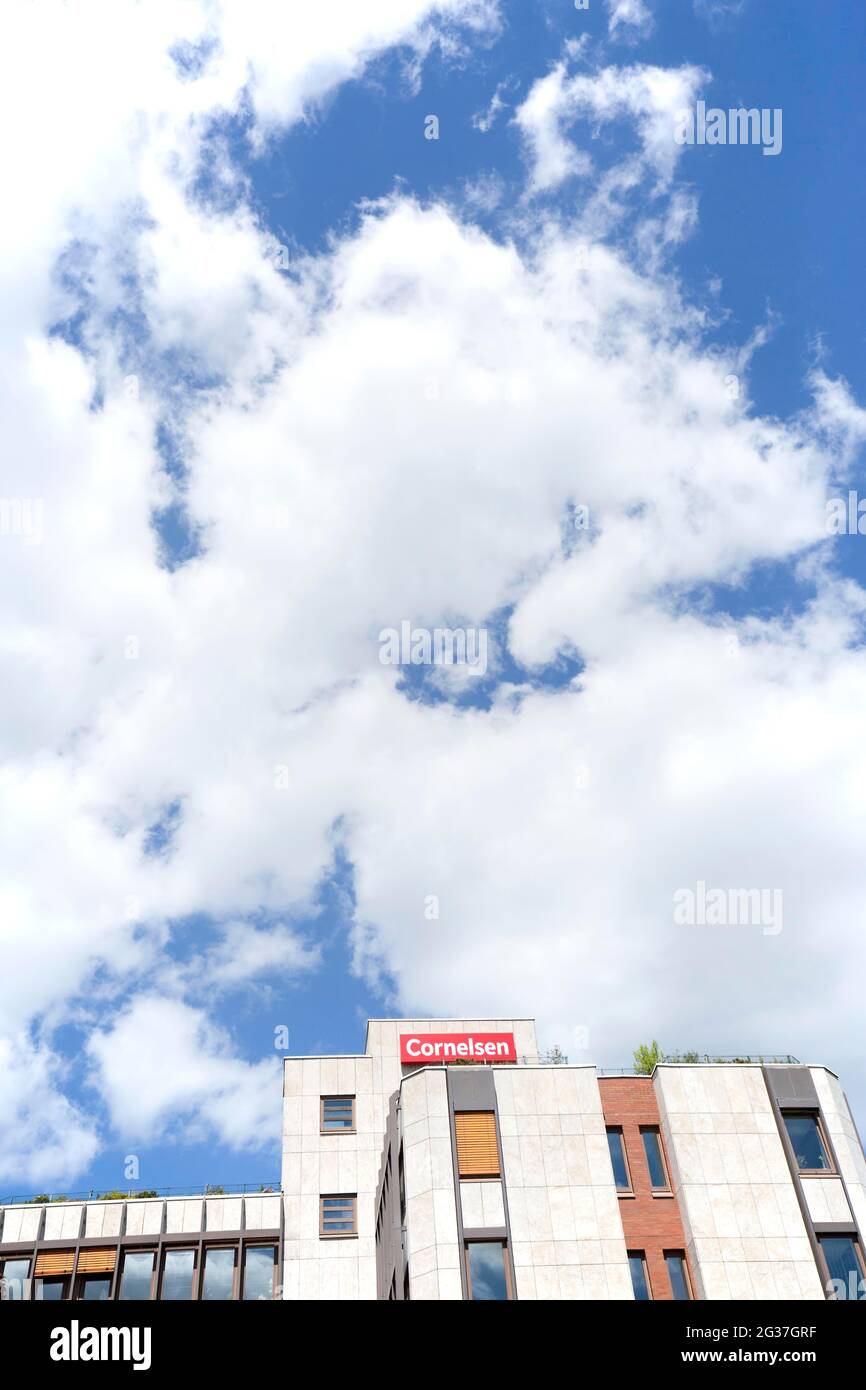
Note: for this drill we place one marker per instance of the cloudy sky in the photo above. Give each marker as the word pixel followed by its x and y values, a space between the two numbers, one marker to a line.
pixel 319 319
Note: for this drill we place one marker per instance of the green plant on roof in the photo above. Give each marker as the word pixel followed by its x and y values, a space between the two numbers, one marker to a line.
pixel 647 1057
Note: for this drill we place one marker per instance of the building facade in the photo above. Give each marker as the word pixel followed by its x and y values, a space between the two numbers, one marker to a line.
pixel 448 1161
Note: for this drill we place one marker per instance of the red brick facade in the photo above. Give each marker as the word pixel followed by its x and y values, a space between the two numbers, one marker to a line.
pixel 651 1222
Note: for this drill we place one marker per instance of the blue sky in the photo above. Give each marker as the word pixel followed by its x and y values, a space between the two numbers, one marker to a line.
pixel 252 392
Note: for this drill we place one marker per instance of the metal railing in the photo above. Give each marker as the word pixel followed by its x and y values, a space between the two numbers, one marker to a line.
pixel 247 1189
pixel 701 1059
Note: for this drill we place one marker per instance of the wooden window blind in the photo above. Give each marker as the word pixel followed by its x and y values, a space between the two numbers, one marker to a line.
pixel 96 1261
pixel 51 1262
pixel 477 1150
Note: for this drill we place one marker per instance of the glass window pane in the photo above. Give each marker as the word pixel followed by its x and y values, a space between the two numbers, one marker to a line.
pixel 15 1274
pixel 337 1112
pixel 219 1272
pixel 259 1271
pixel 97 1289
pixel 487 1270
pixel 177 1275
pixel 679 1282
pixel 806 1141
pixel 638 1278
pixel 617 1158
pixel 653 1150
pixel 51 1290
pixel 846 1271
pixel 137 1269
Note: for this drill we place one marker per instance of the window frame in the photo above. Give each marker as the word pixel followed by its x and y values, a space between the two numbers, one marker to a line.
pixel 667 1190
pixel 348 1197
pixel 82 1279
pixel 506 1262
pixel 154 1275
pixel 687 1274
pixel 26 1283
pixel 41 1279
pixel 627 1191
pixel 641 1255
pixel 352 1129
pixel 810 1114
pixel 859 1252
pixel 180 1249
pixel 242 1268
pixel 206 1250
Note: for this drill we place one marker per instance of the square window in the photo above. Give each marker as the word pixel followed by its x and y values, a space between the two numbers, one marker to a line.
pixel 14 1285
pixel 337 1115
pixel 338 1215
pixel 487 1274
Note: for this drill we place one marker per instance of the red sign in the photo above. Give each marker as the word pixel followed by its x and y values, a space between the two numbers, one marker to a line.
pixel 424 1048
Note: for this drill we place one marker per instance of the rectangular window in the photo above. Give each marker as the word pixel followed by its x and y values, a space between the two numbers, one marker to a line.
pixel 618 1159
pixel 51 1290
pixel 219 1274
pixel 177 1272
pixel 260 1263
pixel 807 1140
pixel 477 1149
pixel 487 1273
pixel 137 1275
pixel 338 1215
pixel 678 1275
pixel 95 1288
pixel 13 1280
pixel 337 1115
pixel 655 1159
pixel 639 1279
pixel 845 1263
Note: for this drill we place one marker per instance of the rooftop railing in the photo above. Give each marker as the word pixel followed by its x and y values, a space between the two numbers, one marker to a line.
pixel 246 1189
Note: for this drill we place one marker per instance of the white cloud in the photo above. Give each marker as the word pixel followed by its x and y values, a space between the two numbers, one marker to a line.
pixel 397 431
pixel 648 96
pixel 165 1067
pixel 633 17
pixel 42 1136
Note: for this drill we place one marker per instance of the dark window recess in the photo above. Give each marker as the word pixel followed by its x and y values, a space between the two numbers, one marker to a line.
pixel 807 1141
pixel 652 1147
pixel 618 1160
pixel 678 1275
pixel 639 1280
